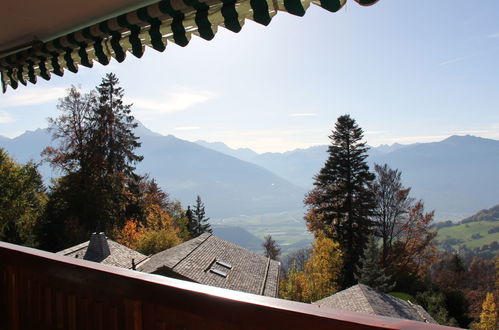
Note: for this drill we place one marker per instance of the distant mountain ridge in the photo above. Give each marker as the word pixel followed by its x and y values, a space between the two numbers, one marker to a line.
pixel 455 176
pixel 228 186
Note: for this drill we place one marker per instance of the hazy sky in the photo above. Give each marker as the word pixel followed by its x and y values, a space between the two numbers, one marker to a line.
pixel 407 71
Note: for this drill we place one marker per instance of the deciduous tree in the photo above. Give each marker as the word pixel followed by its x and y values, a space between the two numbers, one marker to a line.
pixel 320 277
pixel 488 317
pixel 392 203
pixel 22 201
pixel 415 250
pixel 96 154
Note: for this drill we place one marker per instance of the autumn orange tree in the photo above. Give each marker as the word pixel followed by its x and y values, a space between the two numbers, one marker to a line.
pixel 158 223
pixel 407 240
pixel 415 249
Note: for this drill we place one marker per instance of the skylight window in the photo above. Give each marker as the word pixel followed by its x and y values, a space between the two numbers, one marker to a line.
pixel 220 268
pixel 224 264
pixel 218 272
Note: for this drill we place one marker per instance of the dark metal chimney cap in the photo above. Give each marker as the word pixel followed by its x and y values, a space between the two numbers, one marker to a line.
pixel 97 249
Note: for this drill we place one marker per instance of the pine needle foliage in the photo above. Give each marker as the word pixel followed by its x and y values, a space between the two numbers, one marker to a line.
pixel 341 203
pixel 369 270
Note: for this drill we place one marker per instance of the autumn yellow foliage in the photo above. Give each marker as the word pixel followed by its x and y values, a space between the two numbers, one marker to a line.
pixel 320 275
pixel 157 234
pixel 488 316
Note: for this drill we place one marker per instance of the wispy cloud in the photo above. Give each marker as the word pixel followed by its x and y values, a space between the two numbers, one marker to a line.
pixel 493 35
pixel 33 96
pixel 303 115
pixel 187 128
pixel 454 60
pixel 173 101
pixel 5 117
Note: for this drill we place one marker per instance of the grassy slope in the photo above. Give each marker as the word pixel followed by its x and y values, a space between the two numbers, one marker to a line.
pixel 465 231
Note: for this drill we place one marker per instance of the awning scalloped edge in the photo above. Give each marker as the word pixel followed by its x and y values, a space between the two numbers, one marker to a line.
pixel 152 26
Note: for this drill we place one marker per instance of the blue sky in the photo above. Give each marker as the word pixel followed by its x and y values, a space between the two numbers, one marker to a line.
pixel 407 71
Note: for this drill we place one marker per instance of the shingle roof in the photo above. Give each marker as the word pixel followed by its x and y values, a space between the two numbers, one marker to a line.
pixel 210 260
pixel 363 299
pixel 113 254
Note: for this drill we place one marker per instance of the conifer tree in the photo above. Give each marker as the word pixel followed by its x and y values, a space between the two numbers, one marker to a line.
pixel 113 135
pixel 198 223
pixel 97 155
pixel 272 249
pixel 369 271
pixel 341 202
pixel 191 226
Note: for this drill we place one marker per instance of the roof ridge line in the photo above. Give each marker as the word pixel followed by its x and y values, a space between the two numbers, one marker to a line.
pixel 188 254
pixel 417 311
pixel 264 282
pixel 362 287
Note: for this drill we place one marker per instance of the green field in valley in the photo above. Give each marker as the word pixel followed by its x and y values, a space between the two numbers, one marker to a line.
pixel 287 228
pixel 464 233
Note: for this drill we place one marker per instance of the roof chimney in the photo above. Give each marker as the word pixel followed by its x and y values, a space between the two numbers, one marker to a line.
pixel 98 249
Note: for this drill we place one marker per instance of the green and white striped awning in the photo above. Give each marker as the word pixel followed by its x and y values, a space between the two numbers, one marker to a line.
pixel 153 26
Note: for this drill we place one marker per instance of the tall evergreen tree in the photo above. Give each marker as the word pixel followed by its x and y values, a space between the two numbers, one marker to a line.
pixel 198 223
pixel 272 249
pixel 341 203
pixel 369 271
pixel 97 155
pixel 113 133
pixel 191 225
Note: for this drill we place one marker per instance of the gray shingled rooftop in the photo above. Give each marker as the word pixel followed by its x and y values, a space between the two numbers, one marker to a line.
pixel 363 299
pixel 113 254
pixel 210 260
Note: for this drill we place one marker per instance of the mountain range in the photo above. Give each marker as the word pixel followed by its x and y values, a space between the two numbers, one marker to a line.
pixel 228 186
pixel 456 176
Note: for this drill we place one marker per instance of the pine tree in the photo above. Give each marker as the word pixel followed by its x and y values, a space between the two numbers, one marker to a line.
pixel 199 224
pixel 191 225
pixel 272 249
pixel 113 134
pixel 341 203
pixel 97 155
pixel 369 271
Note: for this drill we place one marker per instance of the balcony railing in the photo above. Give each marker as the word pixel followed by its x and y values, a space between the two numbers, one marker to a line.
pixel 42 290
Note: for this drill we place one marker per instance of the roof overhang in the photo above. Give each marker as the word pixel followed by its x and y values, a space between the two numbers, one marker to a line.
pixel 40 38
